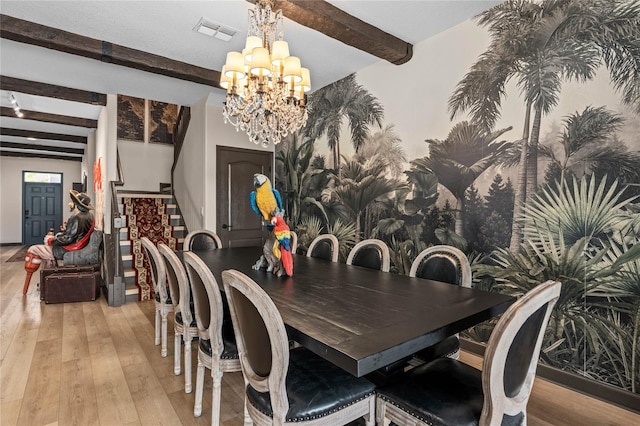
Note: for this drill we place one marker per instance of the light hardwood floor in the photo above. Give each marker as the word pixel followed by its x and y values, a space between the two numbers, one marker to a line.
pixel 91 364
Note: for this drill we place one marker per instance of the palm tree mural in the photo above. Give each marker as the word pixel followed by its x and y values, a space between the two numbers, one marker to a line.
pixel 542 44
pixel 589 143
pixel 583 132
pixel 361 185
pixel 294 166
pixel 387 145
pixel 466 153
pixel 584 234
pixel 330 105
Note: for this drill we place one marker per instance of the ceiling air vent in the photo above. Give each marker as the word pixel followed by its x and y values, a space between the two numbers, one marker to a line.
pixel 212 29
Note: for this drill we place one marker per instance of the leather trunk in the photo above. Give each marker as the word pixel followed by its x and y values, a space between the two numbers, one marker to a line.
pixel 45 272
pixel 71 287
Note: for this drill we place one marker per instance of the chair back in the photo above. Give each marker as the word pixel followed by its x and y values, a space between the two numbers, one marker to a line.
pixel 178 284
pixel 371 253
pixel 325 246
pixel 511 358
pixel 261 336
pixel 202 239
pixel 158 271
pixel 294 242
pixel 442 263
pixel 207 302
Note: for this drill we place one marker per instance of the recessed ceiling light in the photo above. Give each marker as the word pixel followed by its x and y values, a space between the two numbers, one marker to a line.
pixel 213 29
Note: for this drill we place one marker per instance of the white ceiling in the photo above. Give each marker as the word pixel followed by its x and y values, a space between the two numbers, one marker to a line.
pixel 165 28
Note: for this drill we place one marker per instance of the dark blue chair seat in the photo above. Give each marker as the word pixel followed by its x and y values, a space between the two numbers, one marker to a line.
pixel 230 350
pixel 448 392
pixel 179 319
pixel 168 298
pixel 442 392
pixel 315 388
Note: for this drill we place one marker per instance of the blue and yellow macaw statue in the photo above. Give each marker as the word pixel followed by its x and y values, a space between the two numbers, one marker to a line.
pixel 265 200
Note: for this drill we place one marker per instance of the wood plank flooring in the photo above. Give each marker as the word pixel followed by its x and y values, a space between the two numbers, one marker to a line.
pixel 91 364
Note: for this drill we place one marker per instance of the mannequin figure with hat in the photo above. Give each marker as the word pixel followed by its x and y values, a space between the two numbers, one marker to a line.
pixel 74 237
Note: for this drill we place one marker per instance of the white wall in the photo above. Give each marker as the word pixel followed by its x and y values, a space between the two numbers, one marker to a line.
pixel 219 133
pixel 188 182
pixel 104 137
pixel 11 169
pixel 145 165
pixel 195 174
pixel 415 96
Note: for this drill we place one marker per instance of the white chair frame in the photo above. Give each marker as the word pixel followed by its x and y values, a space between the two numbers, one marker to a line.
pixel 332 239
pixel 181 298
pixel 496 403
pixel 294 242
pixel 188 239
pixel 372 242
pixel 274 382
pixel 163 307
pixel 463 262
pixel 210 327
pixel 465 266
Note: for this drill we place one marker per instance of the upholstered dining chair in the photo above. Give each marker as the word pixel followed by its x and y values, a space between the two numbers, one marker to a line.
pixel 325 246
pixel 163 302
pixel 288 386
pixel 371 253
pixel 294 242
pixel 217 349
pixel 448 392
pixel 202 239
pixel 184 321
pixel 447 264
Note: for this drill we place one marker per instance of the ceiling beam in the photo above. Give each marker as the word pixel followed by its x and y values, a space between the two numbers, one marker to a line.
pixel 51 118
pixel 13 84
pixel 36 155
pixel 42 135
pixel 336 23
pixel 58 149
pixel 52 38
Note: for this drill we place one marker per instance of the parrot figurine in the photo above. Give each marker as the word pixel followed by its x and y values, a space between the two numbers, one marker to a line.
pixel 265 200
pixel 282 244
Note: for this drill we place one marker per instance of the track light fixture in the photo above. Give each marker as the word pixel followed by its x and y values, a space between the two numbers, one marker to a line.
pixel 14 104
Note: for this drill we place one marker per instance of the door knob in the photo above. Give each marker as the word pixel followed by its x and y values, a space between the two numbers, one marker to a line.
pixel 225 226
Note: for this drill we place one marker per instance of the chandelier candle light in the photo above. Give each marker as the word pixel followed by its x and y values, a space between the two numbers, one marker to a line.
pixel 265 85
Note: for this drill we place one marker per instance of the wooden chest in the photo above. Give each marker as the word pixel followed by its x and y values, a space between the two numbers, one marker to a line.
pixel 69 285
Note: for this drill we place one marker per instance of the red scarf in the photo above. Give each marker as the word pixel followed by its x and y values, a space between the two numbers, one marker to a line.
pixel 81 242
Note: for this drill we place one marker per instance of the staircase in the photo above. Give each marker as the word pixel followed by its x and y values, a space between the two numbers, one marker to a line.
pixel 133 292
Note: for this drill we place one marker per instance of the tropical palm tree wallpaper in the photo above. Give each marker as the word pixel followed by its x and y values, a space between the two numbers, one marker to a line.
pixel 522 149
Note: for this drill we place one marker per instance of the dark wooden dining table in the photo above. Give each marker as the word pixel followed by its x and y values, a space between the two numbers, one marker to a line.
pixel 361 319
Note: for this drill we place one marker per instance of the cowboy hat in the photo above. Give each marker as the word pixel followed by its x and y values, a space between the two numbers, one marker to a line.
pixel 81 200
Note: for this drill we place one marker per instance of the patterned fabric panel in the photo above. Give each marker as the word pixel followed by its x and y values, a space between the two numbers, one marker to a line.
pixel 147 217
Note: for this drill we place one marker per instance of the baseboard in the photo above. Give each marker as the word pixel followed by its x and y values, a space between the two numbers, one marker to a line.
pixel 10 244
pixel 602 391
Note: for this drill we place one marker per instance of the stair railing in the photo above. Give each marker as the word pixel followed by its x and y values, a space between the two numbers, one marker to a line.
pixel 115 281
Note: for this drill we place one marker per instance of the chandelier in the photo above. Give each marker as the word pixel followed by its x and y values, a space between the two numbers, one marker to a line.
pixel 265 85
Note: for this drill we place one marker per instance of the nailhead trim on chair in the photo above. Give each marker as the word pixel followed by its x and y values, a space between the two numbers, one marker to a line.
pixel 422 419
pixel 307 418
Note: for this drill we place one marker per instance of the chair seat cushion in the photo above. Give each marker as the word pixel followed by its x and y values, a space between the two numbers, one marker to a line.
pixel 230 350
pixel 446 347
pixel 442 392
pixel 168 302
pixel 315 388
pixel 179 320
